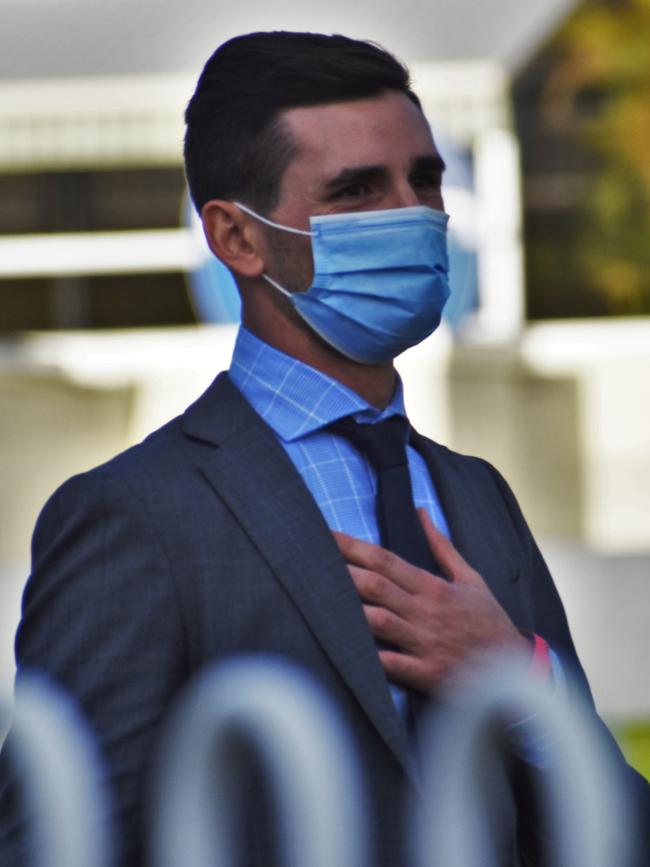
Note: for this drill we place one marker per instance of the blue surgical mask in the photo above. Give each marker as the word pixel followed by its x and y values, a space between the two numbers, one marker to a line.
pixel 380 279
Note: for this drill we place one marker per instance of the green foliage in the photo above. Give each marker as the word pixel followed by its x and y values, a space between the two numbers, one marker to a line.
pixel 634 740
pixel 601 88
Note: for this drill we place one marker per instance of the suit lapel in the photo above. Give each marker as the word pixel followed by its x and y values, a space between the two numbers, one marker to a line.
pixel 471 513
pixel 254 477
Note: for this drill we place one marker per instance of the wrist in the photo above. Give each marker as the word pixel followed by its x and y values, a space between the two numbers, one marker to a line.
pixel 540 659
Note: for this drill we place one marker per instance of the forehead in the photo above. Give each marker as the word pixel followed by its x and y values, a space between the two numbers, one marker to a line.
pixel 384 130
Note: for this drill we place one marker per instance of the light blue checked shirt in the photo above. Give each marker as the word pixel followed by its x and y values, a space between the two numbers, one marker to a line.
pixel 297 402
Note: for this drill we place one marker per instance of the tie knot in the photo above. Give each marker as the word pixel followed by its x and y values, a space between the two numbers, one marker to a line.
pixel 383 443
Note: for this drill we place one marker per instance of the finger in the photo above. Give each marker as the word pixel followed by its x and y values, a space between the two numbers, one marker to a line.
pixel 450 560
pixel 404 670
pixel 360 553
pixel 389 627
pixel 379 590
pixel 343 539
pixel 374 558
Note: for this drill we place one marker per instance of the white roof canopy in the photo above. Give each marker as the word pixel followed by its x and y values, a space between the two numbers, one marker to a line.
pixel 71 38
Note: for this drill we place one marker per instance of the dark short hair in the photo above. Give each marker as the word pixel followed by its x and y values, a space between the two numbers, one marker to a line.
pixel 235 143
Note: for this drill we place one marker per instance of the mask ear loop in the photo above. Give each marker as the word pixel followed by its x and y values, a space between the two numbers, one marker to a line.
pixel 277 285
pixel 271 223
pixel 274 226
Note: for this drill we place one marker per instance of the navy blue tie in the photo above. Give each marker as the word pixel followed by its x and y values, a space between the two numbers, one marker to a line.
pixel 384 445
pixel 400 530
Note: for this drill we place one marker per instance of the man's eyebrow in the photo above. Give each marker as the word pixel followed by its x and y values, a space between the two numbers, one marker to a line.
pixel 430 163
pixel 355 174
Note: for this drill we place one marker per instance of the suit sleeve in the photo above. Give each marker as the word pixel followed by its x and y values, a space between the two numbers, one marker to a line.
pixel 548 616
pixel 549 621
pixel 101 617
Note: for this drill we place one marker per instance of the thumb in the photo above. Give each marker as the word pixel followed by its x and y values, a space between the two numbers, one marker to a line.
pixel 452 563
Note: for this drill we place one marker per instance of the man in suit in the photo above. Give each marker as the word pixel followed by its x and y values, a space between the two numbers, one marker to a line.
pixel 248 525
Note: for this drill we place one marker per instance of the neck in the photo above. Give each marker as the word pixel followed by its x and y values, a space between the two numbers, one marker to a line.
pixel 375 383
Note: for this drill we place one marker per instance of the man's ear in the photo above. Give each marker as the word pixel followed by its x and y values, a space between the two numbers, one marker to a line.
pixel 233 238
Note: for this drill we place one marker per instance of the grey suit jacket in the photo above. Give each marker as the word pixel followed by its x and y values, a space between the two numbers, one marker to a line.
pixel 203 542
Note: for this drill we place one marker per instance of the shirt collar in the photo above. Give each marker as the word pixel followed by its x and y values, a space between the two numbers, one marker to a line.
pixel 294 398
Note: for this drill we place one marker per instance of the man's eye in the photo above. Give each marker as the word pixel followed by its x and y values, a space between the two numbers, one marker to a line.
pixel 353 191
pixel 426 182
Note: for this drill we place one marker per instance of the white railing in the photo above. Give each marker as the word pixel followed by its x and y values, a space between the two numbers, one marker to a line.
pixel 61 781
pixel 300 742
pixel 268 709
pixel 582 797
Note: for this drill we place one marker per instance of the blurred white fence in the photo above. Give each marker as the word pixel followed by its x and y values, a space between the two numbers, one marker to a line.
pixel 581 794
pixel 303 747
pixel 61 778
pixel 290 726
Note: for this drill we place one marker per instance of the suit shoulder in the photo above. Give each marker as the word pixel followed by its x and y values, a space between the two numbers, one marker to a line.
pixel 156 474
pixel 479 474
pixel 467 463
pixel 129 474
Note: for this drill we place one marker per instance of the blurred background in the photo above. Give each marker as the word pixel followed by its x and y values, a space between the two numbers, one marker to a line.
pixel 113 317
